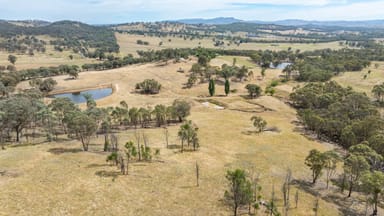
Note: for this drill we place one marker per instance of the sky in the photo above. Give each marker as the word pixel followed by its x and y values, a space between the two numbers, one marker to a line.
pixel 122 11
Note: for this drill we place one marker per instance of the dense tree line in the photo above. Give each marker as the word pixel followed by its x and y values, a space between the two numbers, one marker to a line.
pixel 72 35
pixel 351 120
pixel 318 65
pixel 339 114
pixel 25 115
pixel 25 45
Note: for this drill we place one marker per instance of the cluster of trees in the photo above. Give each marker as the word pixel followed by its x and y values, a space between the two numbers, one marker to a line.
pixel 72 35
pixel 12 79
pixel 350 119
pixel 329 63
pixel 44 86
pixel 378 92
pixel 26 45
pixel 206 73
pixel 26 114
pixel 131 152
pixel 362 171
pixel 149 86
pixel 144 57
pixel 141 42
pixel 254 90
pixel 339 114
pixel 245 194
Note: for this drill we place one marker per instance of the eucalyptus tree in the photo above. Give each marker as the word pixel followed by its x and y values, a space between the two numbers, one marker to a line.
pixel 134 116
pixel 160 113
pixel 90 101
pixel 83 127
pixel 12 59
pixel 145 117
pixel 316 162
pixel 378 92
pixel 240 190
pixel 62 107
pixel 188 133
pixel 253 90
pixel 355 166
pixel 259 123
pixel 373 185
pixel 19 112
pixel 181 108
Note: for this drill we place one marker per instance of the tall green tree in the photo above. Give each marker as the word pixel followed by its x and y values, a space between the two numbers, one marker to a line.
pixel 211 87
pixel 253 90
pixel 331 158
pixel 378 92
pixel 259 123
pixel 227 87
pixel 188 133
pixel 315 161
pixel 83 127
pixel 91 103
pixel 12 59
pixel 62 107
pixel 19 112
pixel 181 108
pixel 354 168
pixel 240 189
pixel 373 185
pixel 160 113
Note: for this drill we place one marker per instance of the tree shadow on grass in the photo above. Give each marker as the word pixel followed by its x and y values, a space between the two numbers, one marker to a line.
pixel 97 165
pixel 104 173
pixel 174 146
pixel 306 186
pixel 58 151
pixel 342 202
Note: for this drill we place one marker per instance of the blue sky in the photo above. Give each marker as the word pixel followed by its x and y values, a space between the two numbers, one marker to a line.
pixel 120 11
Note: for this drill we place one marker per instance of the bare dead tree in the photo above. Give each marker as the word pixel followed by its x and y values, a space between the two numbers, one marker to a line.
pixel 122 166
pixel 166 133
pixel 316 206
pixel 138 138
pixel 145 139
pixel 286 190
pixel 114 143
pixel 197 174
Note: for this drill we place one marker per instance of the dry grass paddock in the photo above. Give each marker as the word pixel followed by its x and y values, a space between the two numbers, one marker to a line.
pixel 60 179
pixel 128 44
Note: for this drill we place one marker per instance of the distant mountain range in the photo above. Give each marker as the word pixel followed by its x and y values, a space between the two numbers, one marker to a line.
pixel 213 21
pixel 231 20
pixel 288 22
pixel 27 23
pixel 297 22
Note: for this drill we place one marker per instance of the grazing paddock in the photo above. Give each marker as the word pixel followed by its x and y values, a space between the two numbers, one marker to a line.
pixel 60 179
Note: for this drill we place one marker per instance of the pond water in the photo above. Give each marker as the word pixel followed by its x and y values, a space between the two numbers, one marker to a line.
pixel 280 66
pixel 79 98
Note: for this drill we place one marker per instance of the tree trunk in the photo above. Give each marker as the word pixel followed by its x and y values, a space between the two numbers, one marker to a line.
pixel 375 207
pixel 235 209
pixel 350 189
pixel 182 145
pixel 85 145
pixel 314 179
pixel 17 135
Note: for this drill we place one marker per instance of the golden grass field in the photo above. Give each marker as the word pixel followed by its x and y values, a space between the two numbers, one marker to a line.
pixel 357 81
pixel 50 58
pixel 128 44
pixel 61 179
